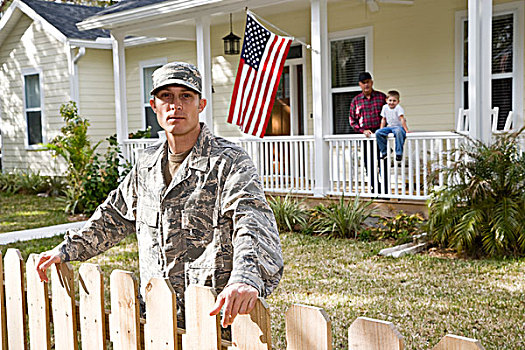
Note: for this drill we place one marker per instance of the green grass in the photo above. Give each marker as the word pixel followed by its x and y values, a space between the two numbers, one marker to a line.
pixel 21 212
pixel 426 297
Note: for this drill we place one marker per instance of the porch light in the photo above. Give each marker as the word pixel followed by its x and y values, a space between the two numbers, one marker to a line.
pixel 231 42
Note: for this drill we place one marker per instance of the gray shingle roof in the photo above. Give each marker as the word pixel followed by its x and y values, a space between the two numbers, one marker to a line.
pixel 127 5
pixel 64 17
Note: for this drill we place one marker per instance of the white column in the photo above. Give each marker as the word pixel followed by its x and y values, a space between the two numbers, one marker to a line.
pixel 119 76
pixel 320 93
pixel 204 65
pixel 480 68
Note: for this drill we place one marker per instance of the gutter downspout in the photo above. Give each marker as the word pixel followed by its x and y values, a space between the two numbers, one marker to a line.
pixel 74 85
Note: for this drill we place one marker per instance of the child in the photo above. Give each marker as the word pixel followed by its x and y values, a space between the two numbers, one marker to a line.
pixel 394 120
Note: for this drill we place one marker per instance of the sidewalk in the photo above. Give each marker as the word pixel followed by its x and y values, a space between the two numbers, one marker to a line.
pixel 41 232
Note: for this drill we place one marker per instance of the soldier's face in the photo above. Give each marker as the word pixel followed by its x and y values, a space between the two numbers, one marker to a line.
pixel 177 109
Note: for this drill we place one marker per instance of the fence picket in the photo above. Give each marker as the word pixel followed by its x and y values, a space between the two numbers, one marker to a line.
pixel 160 330
pixel 454 342
pixel 91 307
pixel 369 334
pixel 63 305
pixel 124 319
pixel 3 324
pixel 308 327
pixel 252 331
pixel 15 300
pixel 203 331
pixel 37 307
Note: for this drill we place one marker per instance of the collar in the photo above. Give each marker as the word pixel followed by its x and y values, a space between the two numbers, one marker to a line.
pixel 198 157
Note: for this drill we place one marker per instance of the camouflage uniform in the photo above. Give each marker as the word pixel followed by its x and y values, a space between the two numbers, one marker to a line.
pixel 211 225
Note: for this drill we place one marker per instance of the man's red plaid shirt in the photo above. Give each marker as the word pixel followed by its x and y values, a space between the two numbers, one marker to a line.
pixel 365 114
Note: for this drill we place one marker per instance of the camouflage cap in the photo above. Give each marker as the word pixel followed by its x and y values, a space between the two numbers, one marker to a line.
pixel 180 73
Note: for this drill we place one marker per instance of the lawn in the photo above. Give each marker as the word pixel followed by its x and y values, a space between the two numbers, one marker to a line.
pixel 21 212
pixel 425 296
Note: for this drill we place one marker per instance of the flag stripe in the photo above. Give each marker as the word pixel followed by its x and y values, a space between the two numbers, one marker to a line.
pixel 276 77
pixel 244 72
pixel 267 84
pixel 233 102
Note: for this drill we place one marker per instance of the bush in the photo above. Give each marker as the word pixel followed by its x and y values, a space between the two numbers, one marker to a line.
pixel 401 227
pixel 28 182
pixel 340 220
pixel 140 134
pixel 90 178
pixel 290 214
pixel 481 209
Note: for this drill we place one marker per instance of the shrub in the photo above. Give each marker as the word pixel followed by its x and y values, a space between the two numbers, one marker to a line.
pixel 28 182
pixel 140 134
pixel 89 177
pixel 340 220
pixel 290 214
pixel 401 227
pixel 481 209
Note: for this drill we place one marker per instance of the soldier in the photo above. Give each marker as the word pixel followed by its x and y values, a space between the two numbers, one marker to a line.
pixel 196 204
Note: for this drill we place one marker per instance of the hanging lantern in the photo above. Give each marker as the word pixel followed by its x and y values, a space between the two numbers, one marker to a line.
pixel 231 42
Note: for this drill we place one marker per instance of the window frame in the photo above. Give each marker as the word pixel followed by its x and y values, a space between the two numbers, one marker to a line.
pixel 142 65
pixel 27 72
pixel 368 34
pixel 517 10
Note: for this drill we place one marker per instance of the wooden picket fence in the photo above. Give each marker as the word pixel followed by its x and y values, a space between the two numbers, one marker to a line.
pixel 29 316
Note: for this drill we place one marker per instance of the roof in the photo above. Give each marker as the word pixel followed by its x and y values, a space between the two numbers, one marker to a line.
pixel 127 5
pixel 65 16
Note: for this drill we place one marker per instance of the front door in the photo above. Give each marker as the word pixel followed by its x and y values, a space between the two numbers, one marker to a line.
pixel 287 117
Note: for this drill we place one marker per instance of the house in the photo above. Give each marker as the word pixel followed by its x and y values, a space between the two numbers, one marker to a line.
pixel 46 61
pixel 418 47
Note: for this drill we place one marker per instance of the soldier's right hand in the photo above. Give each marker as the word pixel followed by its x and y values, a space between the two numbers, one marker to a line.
pixel 44 262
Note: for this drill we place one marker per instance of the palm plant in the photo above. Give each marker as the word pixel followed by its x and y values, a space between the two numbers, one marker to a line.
pixel 481 209
pixel 290 214
pixel 341 220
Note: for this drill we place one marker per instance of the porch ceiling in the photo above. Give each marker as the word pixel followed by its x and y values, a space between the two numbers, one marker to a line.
pixel 175 19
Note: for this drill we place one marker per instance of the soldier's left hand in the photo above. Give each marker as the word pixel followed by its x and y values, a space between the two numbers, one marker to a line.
pixel 237 298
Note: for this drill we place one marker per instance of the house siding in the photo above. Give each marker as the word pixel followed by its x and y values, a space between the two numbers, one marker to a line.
pixel 97 93
pixel 173 51
pixel 28 46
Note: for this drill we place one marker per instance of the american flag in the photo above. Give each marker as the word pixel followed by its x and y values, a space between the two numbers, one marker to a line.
pixel 260 67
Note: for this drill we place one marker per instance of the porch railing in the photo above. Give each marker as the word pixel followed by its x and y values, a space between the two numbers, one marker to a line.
pixel 351 158
pixel 286 164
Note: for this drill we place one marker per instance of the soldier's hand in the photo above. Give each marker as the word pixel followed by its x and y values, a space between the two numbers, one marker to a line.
pixel 44 262
pixel 237 298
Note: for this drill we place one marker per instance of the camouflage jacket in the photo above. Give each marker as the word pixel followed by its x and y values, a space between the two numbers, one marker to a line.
pixel 211 225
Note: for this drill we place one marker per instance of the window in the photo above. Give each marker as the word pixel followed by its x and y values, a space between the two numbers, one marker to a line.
pixel 33 109
pixel 348 57
pixel 150 119
pixel 503 65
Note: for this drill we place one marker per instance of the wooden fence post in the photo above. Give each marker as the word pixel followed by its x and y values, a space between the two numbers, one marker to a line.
pixel 64 309
pixel 15 300
pixel 37 307
pixel 369 334
pixel 203 331
pixel 308 327
pixel 160 330
pixel 124 319
pixel 91 308
pixel 252 331
pixel 3 324
pixel 454 342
